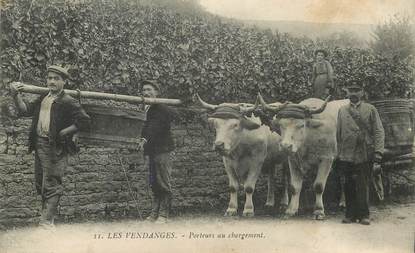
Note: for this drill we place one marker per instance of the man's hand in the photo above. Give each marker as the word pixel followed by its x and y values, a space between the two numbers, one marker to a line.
pixel 141 144
pixel 16 88
pixel 63 133
pixel 377 169
pixel 67 131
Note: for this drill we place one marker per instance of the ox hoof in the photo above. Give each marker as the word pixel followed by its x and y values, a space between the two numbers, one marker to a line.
pixel 319 215
pixel 282 208
pixel 286 216
pixel 231 212
pixel 248 214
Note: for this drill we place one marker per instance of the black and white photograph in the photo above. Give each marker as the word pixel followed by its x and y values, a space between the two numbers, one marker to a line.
pixel 207 126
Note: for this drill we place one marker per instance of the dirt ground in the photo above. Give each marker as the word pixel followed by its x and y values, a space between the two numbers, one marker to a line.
pixel 392 230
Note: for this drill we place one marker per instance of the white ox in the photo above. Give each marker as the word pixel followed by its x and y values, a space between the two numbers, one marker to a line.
pixel 308 132
pixel 247 149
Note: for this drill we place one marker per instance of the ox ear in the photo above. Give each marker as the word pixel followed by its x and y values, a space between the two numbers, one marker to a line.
pixel 248 124
pixel 313 123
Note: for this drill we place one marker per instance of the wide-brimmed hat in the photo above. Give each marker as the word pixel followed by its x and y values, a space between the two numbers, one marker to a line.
pixel 59 70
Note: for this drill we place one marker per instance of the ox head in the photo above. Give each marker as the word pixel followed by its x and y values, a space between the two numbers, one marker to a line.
pixel 229 122
pixel 293 120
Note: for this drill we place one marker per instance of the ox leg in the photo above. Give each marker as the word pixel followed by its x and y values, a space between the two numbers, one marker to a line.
pixel 319 185
pixel 286 181
pixel 233 190
pixel 249 188
pixel 296 184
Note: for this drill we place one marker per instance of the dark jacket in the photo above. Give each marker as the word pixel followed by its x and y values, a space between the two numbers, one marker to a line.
pixel 64 112
pixel 156 130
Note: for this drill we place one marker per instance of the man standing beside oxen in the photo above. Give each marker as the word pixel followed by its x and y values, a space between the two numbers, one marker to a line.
pixel 56 118
pixel 360 140
pixel 157 142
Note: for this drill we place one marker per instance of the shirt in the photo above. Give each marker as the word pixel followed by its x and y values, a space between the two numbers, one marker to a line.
pixel 353 144
pixel 64 112
pixel 44 115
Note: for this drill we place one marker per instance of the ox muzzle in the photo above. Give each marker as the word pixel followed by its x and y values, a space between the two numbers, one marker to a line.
pixel 219 146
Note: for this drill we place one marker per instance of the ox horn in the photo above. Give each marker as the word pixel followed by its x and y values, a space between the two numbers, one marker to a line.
pixel 321 108
pixel 248 110
pixel 272 108
pixel 204 104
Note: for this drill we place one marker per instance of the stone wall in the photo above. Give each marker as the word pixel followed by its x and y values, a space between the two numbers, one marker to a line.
pixel 96 185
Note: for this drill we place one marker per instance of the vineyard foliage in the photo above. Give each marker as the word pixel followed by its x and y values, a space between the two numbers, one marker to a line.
pixel 111 46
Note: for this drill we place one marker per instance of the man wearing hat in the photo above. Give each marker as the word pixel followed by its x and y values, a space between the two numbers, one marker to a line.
pixel 360 143
pixel 157 142
pixel 56 118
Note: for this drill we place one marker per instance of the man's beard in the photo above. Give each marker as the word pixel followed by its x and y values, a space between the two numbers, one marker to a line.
pixel 354 98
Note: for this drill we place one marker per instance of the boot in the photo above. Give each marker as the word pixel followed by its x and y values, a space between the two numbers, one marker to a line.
pixel 52 207
pixel 161 220
pixel 155 207
pixel 365 221
pixel 165 205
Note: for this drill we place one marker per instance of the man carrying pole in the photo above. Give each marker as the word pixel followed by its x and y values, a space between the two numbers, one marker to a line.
pixel 56 118
pixel 157 142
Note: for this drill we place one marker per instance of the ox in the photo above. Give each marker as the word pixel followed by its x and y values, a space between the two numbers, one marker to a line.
pixel 308 132
pixel 247 149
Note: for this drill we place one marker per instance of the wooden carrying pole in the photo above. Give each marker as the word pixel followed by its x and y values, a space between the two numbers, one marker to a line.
pixel 102 96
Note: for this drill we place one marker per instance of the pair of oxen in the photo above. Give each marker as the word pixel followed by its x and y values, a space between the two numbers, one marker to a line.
pixel 305 140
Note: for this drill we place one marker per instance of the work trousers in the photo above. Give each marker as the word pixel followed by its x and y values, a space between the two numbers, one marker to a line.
pixel 160 167
pixel 49 169
pixel 356 189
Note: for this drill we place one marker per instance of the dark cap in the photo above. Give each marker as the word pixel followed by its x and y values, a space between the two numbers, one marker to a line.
pixel 354 84
pixel 59 70
pixel 152 83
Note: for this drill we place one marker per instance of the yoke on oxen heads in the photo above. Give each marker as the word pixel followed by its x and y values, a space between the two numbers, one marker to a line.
pixel 291 110
pixel 293 120
pixel 229 119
